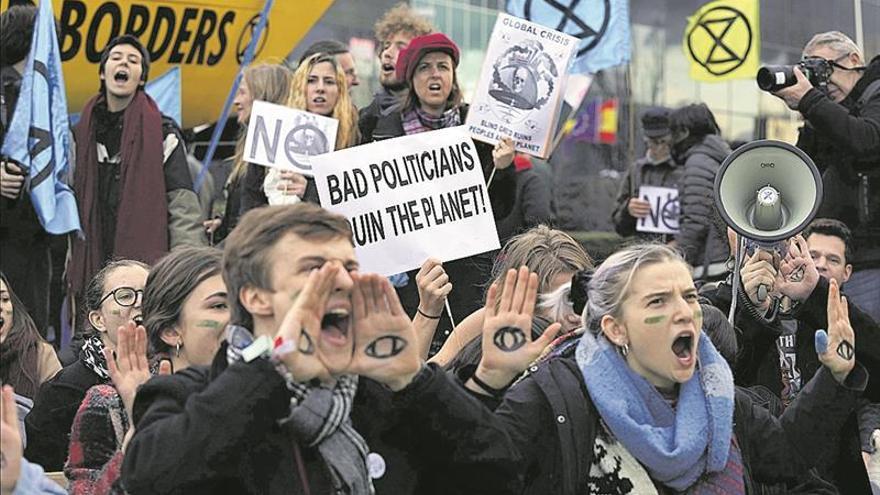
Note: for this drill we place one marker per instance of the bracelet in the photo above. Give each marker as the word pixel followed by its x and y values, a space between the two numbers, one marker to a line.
pixel 494 392
pixel 426 315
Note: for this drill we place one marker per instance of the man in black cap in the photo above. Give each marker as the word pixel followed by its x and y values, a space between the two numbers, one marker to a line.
pixel 657 168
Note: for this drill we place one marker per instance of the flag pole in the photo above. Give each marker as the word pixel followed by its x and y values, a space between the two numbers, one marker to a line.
pixel 224 115
pixel 857 18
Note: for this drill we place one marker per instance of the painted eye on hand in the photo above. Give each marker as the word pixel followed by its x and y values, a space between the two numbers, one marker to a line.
pixel 509 339
pixel 385 347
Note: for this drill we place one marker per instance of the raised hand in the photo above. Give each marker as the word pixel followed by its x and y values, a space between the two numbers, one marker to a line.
pixel 292 183
pixel 507 331
pixel 757 271
pixel 797 275
pixel 385 342
pixel 434 286
pixel 130 369
pixel 836 347
pixel 502 153
pixel 10 442
pixel 301 328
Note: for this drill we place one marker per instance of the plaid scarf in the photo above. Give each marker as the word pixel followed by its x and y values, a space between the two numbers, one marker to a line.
pixel 416 120
pixel 320 417
pixel 92 356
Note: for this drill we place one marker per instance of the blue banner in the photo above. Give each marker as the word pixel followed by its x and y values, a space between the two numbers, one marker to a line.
pixel 165 91
pixel 38 137
pixel 601 25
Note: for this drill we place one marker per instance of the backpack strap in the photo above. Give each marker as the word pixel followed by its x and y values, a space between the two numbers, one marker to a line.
pixel 868 93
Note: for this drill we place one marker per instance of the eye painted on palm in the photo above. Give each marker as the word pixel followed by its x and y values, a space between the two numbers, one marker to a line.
pixel 509 339
pixel 306 344
pixel 385 347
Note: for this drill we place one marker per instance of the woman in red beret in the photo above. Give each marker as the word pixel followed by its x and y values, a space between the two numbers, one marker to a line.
pixel 433 101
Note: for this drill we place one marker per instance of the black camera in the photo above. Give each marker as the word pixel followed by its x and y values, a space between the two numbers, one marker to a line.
pixel 776 77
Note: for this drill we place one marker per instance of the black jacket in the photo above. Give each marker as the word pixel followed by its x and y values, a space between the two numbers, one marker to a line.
pixel 48 424
pixel 844 142
pixel 643 173
pixel 532 205
pixel 757 364
pixel 702 237
pixel 540 439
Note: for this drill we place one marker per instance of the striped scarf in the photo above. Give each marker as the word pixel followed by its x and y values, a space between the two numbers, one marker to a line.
pixel 416 120
pixel 320 417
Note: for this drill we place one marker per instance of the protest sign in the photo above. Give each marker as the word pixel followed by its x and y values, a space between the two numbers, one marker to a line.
pixel 287 138
pixel 521 85
pixel 663 218
pixel 410 198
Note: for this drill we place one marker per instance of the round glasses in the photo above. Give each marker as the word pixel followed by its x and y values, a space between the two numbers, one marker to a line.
pixel 124 296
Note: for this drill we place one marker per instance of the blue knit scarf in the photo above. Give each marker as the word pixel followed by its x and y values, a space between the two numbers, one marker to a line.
pixel 676 446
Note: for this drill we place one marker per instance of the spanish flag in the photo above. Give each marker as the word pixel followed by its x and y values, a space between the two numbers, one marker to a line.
pixel 722 40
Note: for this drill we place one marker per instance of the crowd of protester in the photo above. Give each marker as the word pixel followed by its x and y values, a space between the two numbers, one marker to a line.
pixel 245 352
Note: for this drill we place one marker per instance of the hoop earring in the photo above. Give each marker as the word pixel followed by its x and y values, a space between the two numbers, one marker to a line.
pixel 624 349
pixel 177 346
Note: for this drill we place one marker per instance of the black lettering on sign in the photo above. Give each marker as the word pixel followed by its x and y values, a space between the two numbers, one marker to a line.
pixel 183 34
pixel 509 339
pixel 213 58
pixel 203 32
pixel 164 15
pixel 385 347
pixel 73 15
pixel 138 20
pixel 93 47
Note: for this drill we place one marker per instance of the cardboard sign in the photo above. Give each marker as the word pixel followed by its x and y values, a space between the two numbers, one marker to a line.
pixel 521 85
pixel 287 138
pixel 663 218
pixel 410 198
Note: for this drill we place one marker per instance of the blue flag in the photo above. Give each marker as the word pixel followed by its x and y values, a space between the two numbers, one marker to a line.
pixel 165 91
pixel 38 137
pixel 601 25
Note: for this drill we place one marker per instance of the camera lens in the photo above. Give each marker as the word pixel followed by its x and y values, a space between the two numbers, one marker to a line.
pixel 775 77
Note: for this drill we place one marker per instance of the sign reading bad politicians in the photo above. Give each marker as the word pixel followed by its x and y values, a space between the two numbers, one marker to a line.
pixel 521 85
pixel 410 198
pixel 287 138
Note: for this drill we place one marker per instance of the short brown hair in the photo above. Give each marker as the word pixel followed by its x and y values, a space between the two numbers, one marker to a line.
pixel 247 254
pixel 401 19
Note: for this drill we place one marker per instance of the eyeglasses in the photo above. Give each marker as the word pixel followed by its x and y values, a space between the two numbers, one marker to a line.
pixel 124 296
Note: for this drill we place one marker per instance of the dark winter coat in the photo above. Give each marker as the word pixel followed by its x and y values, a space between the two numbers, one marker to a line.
pixel 702 236
pixel 540 439
pixel 49 422
pixel 844 142
pixel 643 173
pixel 757 364
pixel 533 204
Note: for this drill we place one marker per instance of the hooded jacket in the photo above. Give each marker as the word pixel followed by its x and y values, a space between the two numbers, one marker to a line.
pixel 642 173
pixel 702 235
pixel 844 142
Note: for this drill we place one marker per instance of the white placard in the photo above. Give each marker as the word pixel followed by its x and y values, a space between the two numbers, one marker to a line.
pixel 410 198
pixel 663 218
pixel 287 138
pixel 521 85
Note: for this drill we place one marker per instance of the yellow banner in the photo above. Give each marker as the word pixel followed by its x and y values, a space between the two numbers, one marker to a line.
pixel 722 40
pixel 206 38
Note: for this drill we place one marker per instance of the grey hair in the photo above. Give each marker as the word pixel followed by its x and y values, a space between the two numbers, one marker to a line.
pixel 610 284
pixel 557 305
pixel 835 40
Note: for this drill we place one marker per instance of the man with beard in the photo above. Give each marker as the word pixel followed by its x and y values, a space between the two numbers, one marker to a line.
pixel 393 31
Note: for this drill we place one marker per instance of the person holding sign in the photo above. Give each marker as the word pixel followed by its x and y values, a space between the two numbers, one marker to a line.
pixel 656 168
pixel 434 101
pixel 319 86
pixel 263 82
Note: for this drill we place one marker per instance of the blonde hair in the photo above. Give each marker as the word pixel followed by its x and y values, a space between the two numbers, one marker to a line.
pixel 545 251
pixel 347 135
pixel 266 82
pixel 401 19
pixel 840 43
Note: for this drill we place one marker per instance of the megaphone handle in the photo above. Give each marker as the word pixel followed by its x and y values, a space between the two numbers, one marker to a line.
pixel 762 292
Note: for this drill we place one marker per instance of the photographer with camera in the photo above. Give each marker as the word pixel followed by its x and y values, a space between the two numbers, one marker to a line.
pixel 839 98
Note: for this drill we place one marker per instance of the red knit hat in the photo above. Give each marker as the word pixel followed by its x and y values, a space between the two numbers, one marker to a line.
pixel 420 46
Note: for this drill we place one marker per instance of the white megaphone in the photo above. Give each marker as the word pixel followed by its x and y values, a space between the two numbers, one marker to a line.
pixel 767 191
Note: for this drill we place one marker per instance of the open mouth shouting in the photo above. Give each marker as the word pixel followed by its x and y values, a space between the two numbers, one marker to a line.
pixel 684 348
pixel 138 319
pixel 121 76
pixel 435 87
pixel 388 69
pixel 335 326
